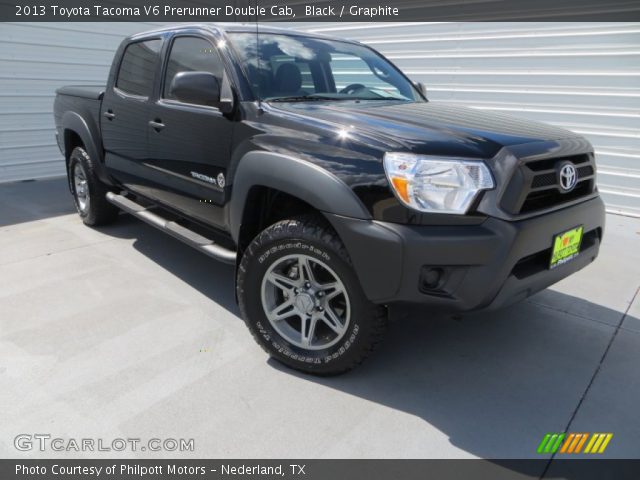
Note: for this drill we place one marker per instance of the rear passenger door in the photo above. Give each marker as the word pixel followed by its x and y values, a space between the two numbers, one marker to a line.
pixel 125 111
pixel 190 144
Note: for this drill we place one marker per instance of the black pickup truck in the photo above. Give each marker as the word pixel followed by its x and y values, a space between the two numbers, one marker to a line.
pixel 325 176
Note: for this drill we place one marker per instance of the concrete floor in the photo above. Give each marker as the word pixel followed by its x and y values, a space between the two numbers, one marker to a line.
pixel 123 332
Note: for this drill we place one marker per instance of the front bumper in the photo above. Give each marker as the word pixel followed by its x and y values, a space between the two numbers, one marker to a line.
pixel 467 267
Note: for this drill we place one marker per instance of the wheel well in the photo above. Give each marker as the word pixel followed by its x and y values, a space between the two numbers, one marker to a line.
pixel 71 141
pixel 265 206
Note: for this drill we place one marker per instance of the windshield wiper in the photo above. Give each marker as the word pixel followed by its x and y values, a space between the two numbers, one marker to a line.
pixel 294 98
pixel 304 98
pixel 383 98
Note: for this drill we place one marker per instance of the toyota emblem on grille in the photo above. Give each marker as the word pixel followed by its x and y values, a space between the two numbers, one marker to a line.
pixel 568 176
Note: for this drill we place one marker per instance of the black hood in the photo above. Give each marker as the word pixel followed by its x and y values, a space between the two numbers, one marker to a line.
pixel 430 128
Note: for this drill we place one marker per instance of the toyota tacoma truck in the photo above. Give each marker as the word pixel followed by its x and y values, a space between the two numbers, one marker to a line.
pixel 338 191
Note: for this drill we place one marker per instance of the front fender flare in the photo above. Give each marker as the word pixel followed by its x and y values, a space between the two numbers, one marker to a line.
pixel 299 178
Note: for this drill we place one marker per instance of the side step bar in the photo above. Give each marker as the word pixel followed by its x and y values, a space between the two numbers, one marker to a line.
pixel 197 241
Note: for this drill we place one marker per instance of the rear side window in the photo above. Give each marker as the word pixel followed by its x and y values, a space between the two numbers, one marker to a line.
pixel 191 54
pixel 138 67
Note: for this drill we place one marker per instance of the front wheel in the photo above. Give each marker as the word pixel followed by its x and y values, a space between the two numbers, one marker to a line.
pixel 302 301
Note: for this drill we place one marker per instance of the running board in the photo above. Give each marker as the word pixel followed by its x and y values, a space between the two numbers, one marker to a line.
pixel 195 240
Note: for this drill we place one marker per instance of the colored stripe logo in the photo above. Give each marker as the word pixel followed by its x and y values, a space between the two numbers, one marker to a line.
pixel 574 443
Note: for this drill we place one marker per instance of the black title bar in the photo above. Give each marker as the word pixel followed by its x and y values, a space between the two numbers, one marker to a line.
pixel 318 11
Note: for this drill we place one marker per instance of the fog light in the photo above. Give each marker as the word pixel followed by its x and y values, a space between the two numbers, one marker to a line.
pixel 431 278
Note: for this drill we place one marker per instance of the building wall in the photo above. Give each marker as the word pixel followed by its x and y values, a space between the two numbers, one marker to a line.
pixel 35 59
pixel 581 76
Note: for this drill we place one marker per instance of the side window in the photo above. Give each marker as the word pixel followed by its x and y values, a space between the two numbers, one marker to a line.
pixel 191 54
pixel 138 67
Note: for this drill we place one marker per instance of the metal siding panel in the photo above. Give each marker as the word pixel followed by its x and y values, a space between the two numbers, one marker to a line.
pixel 36 59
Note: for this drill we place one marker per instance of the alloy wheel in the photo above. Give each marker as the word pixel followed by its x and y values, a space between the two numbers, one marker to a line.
pixel 306 302
pixel 81 187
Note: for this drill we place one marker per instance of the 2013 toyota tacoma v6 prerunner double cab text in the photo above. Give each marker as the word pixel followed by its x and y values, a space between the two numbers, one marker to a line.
pixel 325 176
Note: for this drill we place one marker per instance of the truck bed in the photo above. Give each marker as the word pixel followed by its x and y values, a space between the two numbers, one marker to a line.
pixel 79 100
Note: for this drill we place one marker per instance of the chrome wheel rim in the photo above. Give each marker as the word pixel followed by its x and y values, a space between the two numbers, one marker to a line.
pixel 305 302
pixel 81 187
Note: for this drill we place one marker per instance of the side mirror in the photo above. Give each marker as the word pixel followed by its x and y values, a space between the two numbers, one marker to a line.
pixel 201 88
pixel 422 88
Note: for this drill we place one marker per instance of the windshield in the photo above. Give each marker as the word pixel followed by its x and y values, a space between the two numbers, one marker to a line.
pixel 296 68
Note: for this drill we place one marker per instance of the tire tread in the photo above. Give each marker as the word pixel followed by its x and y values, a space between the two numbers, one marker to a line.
pixel 101 212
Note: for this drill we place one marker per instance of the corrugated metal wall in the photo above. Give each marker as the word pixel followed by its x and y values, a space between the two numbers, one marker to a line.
pixel 582 76
pixel 35 59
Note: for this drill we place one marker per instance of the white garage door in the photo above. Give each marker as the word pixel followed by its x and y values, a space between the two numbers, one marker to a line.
pixel 582 76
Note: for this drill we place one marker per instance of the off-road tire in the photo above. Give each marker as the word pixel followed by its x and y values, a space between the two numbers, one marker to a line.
pixel 98 210
pixel 311 236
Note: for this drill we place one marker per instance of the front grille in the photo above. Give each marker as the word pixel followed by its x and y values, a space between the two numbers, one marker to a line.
pixel 585 171
pixel 544 180
pixel 541 199
pixel 549 163
pixel 536 187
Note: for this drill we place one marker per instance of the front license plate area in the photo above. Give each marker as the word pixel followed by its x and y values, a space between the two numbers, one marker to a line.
pixel 566 246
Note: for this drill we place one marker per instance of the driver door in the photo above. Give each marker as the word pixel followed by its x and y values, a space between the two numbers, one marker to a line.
pixel 190 144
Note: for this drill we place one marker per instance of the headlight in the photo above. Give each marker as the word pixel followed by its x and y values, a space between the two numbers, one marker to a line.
pixel 436 184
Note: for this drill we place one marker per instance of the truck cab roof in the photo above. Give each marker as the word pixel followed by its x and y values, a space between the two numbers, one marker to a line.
pixel 235 28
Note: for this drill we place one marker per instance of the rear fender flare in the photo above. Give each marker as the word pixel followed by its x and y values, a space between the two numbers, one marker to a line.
pixel 90 136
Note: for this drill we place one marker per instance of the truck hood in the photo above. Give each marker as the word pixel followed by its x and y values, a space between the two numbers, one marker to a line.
pixel 428 128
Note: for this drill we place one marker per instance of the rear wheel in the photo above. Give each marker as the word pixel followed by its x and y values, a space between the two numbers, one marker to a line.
pixel 302 300
pixel 89 193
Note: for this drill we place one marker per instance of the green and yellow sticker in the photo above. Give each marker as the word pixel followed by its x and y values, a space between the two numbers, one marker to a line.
pixel 566 246
pixel 564 442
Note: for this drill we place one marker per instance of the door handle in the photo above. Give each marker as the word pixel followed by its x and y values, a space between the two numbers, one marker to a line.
pixel 156 124
pixel 109 114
